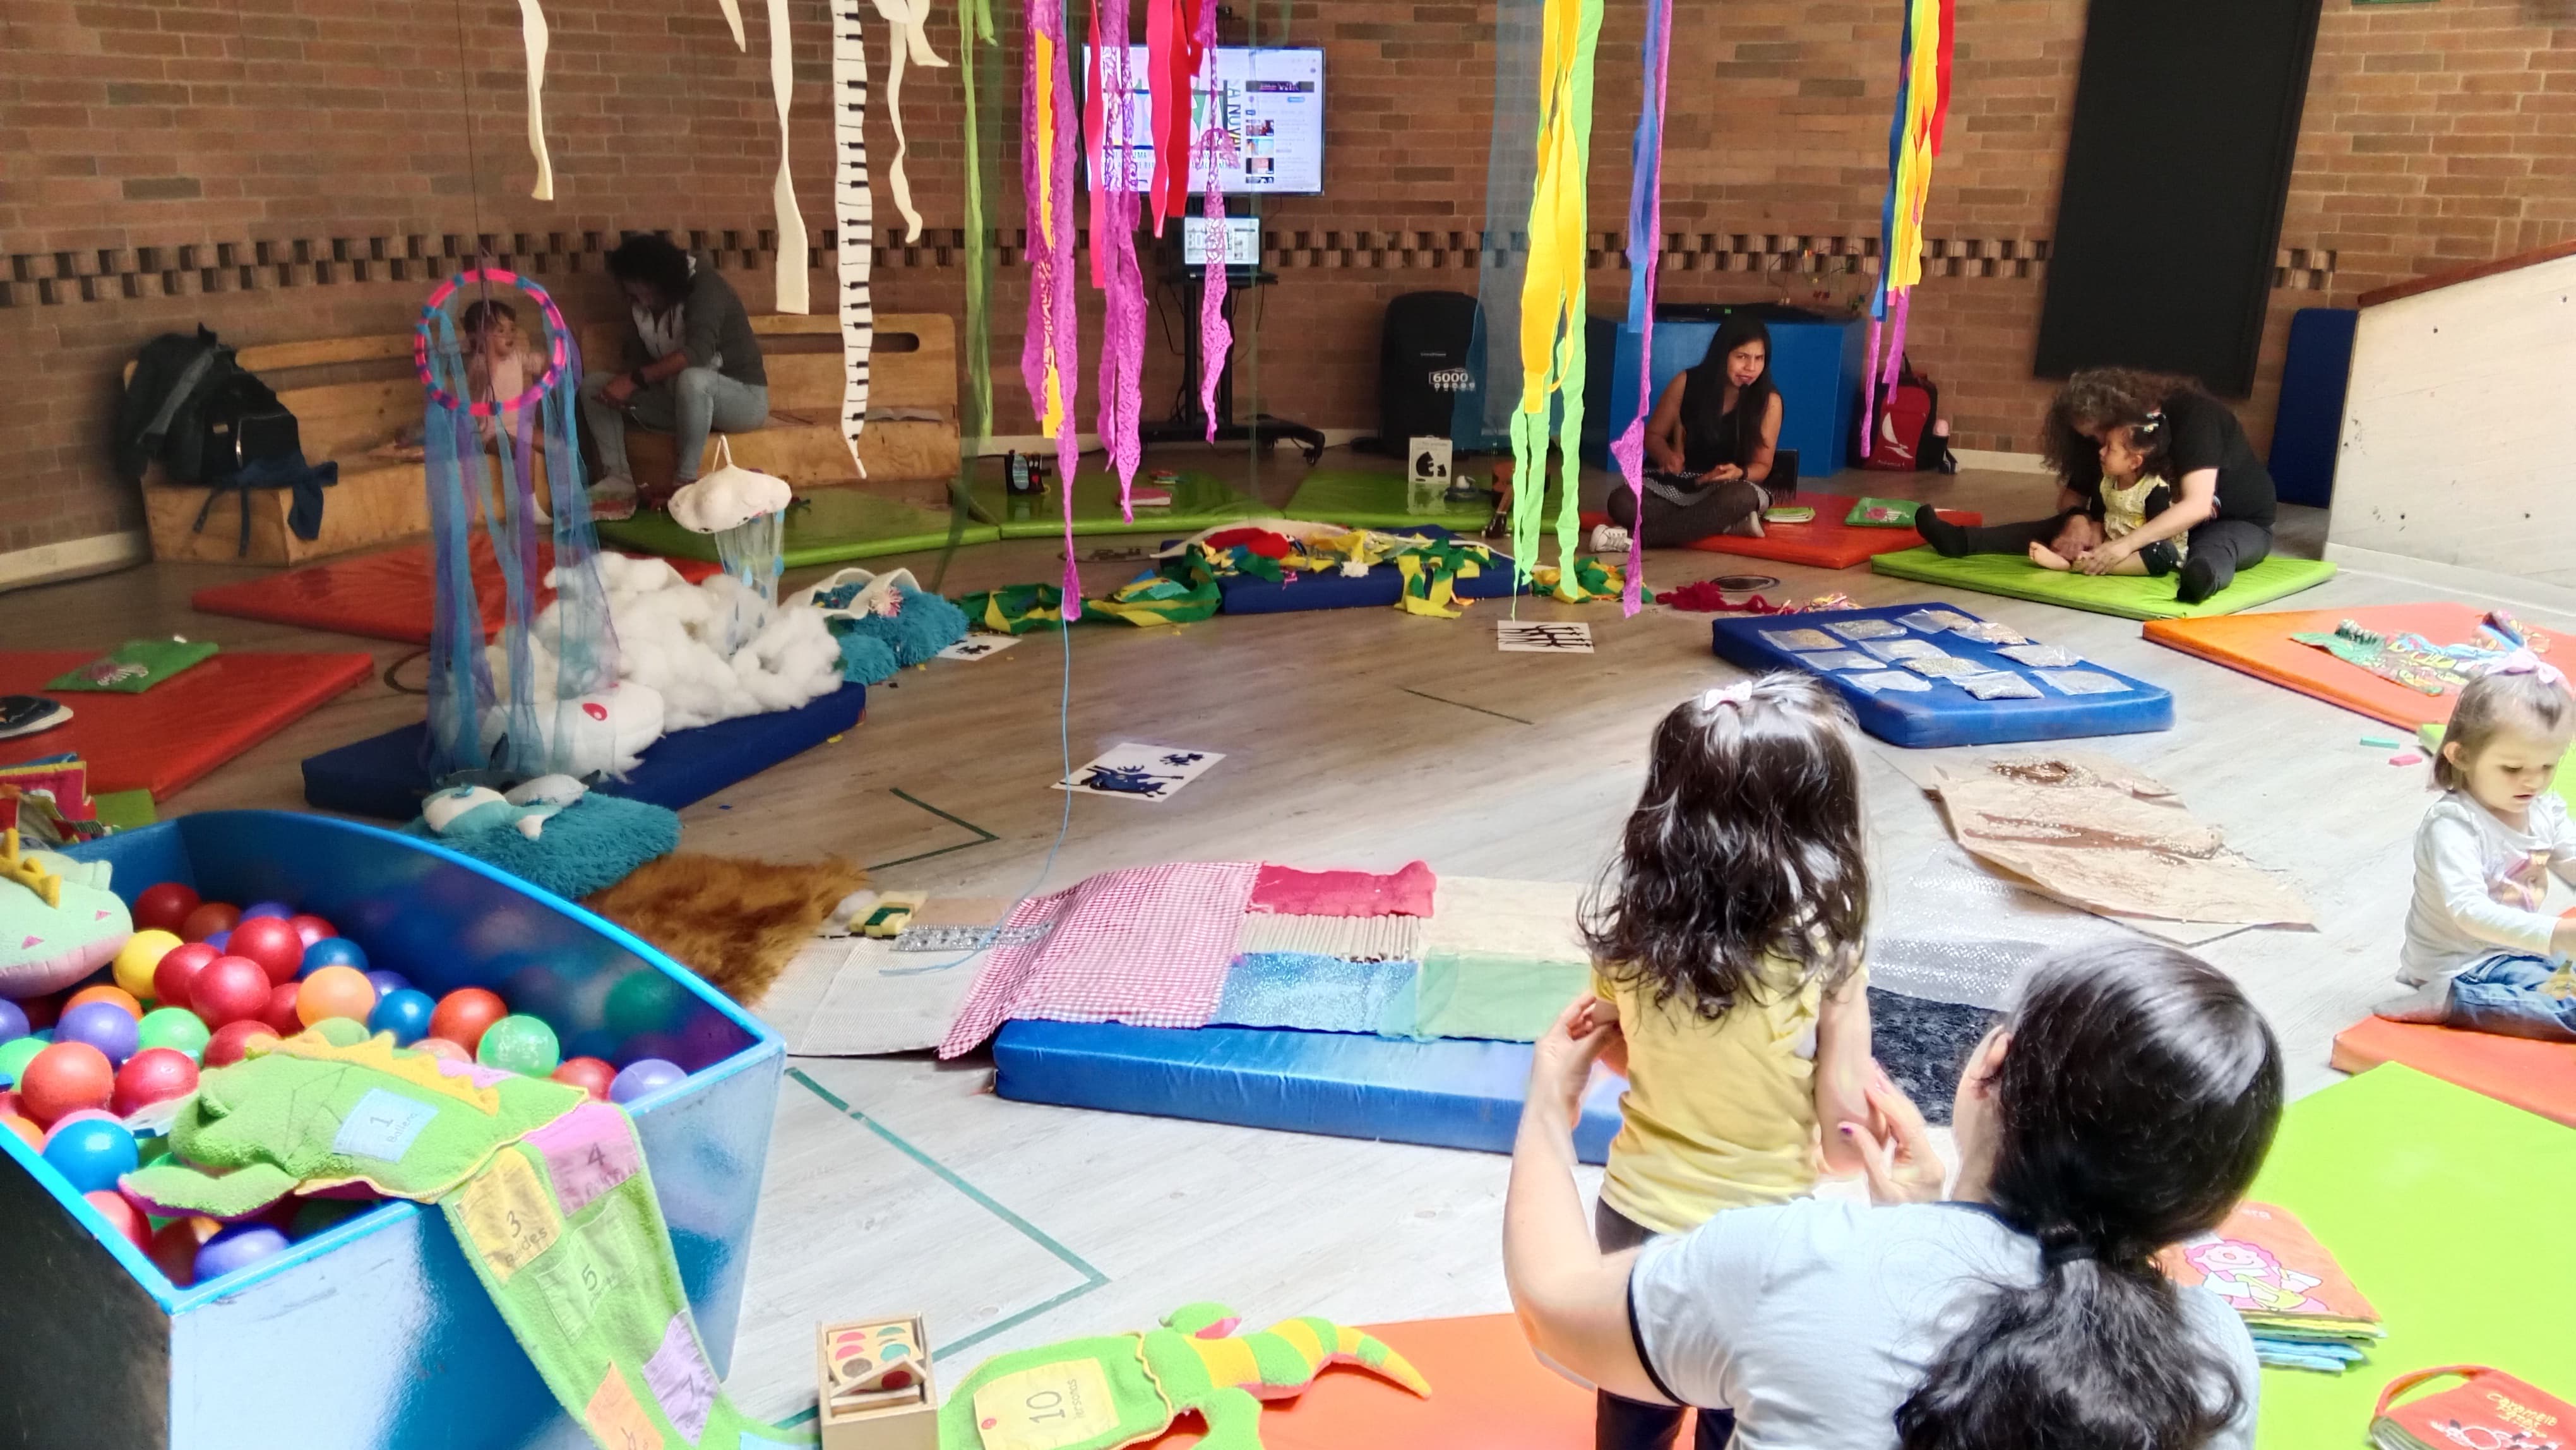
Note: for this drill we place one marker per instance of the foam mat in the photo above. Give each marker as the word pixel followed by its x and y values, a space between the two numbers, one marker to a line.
pixel 1377 501
pixel 1199 501
pixel 2260 645
pixel 2127 596
pixel 1828 542
pixel 171 735
pixel 2537 1077
pixel 381 596
pixel 824 526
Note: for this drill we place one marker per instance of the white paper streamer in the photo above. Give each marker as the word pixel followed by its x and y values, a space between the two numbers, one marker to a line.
pixel 532 29
pixel 733 17
pixel 854 212
pixel 905 37
pixel 792 255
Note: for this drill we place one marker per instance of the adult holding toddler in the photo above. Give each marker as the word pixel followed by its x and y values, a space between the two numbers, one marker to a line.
pixel 2154 476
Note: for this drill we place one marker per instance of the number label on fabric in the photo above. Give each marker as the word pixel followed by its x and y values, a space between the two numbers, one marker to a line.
pixel 616 1420
pixel 509 1215
pixel 1045 1408
pixel 681 1379
pixel 588 1152
pixel 382 1125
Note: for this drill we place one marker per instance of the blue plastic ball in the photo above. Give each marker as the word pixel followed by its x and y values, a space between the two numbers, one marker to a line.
pixel 642 1076
pixel 388 982
pixel 93 1153
pixel 332 951
pixel 220 940
pixel 13 1021
pixel 404 1013
pixel 102 1025
pixel 238 1246
pixel 267 908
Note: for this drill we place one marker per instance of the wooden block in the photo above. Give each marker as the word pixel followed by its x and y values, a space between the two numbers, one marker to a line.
pixel 854 1409
pixel 366 507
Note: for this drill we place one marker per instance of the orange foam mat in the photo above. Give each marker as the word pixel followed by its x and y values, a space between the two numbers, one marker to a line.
pixel 2537 1077
pixel 1488 1392
pixel 382 596
pixel 1827 543
pixel 171 735
pixel 2260 645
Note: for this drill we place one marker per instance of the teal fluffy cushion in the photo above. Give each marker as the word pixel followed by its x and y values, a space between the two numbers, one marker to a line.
pixel 588 846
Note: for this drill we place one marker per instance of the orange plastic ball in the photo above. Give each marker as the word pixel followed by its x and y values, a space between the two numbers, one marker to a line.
pixel 335 992
pixel 123 999
pixel 463 1015
pixel 34 1135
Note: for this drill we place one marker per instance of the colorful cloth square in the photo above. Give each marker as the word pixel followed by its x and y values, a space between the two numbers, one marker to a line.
pixel 1317 994
pixel 1289 892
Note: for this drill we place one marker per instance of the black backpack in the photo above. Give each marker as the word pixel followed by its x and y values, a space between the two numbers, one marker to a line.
pixel 193 408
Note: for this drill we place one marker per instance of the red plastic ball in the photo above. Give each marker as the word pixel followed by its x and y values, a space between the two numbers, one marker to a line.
pixel 228 990
pixel 464 1014
pixel 588 1074
pixel 9 1104
pixel 231 1042
pixel 279 1014
pixel 179 967
pixel 440 1047
pixel 174 1246
pixel 208 918
pixel 65 1078
pixel 271 942
pixel 154 1075
pixel 310 928
pixel 164 907
pixel 43 1012
pixel 122 1217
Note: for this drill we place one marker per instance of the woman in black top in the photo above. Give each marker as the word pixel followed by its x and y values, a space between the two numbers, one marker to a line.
pixel 1711 445
pixel 2224 498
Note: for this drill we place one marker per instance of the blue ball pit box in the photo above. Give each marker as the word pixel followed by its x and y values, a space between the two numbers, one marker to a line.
pixel 375 1334
pixel 1946 714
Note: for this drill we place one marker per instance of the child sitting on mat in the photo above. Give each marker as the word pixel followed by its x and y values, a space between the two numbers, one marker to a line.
pixel 2136 463
pixel 1728 961
pixel 2479 948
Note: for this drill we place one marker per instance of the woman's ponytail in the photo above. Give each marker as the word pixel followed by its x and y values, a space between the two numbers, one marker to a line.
pixel 2136 1096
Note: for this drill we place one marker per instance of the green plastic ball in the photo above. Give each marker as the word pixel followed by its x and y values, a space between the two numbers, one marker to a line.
pixel 340 1031
pixel 176 1028
pixel 520 1044
pixel 17 1053
pixel 645 1001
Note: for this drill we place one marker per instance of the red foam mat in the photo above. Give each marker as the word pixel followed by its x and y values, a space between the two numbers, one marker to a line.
pixel 382 596
pixel 1827 543
pixel 2537 1077
pixel 174 733
pixel 2260 645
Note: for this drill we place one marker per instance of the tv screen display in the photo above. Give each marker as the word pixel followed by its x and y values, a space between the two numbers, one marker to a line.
pixel 1270 101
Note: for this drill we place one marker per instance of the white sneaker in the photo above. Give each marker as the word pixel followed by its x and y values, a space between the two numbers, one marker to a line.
pixel 612 499
pixel 1609 539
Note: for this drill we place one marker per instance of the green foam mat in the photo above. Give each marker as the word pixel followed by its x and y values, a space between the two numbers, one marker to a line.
pixel 1199 501
pixel 2445 1207
pixel 1377 501
pixel 2128 596
pixel 827 526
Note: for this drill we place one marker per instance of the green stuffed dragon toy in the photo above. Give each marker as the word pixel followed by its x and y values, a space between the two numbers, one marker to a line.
pixel 1113 1390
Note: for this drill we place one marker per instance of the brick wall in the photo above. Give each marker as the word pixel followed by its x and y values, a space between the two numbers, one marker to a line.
pixel 288 168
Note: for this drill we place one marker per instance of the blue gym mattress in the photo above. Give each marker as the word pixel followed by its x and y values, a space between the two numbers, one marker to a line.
pixel 1947 714
pixel 1379 588
pixel 382 776
pixel 1446 1094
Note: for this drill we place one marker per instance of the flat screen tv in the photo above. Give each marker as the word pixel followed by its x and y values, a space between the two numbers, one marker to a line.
pixel 1271 102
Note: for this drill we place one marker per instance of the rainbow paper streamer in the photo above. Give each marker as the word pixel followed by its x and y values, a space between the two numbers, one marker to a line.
pixel 1913 141
pixel 1645 248
pixel 1552 297
pixel 1050 348
pixel 1178 34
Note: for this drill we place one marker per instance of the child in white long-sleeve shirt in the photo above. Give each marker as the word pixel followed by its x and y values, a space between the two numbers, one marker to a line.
pixel 2479 948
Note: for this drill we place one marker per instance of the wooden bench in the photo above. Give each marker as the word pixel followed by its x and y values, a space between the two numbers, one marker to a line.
pixel 913 369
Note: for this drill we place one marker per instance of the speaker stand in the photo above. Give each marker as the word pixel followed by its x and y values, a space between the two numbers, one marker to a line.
pixel 1189 421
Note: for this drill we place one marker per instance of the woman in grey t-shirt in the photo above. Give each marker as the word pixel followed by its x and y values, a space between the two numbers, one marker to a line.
pixel 2124 1105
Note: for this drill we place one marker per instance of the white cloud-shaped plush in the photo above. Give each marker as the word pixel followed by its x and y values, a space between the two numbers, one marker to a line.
pixel 728 498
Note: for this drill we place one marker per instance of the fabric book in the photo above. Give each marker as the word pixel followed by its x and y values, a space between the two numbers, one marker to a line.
pixel 2487 1407
pixel 2303 1311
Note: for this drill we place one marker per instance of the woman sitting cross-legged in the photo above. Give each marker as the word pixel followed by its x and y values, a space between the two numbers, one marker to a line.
pixel 1711 445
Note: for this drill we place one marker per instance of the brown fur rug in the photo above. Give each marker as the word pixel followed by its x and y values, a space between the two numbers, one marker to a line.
pixel 736 923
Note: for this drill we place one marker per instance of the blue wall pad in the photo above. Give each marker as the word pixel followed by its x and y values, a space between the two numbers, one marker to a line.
pixel 1945 714
pixel 1816 365
pixel 382 777
pixel 1380 587
pixel 2307 428
pixel 1446 1094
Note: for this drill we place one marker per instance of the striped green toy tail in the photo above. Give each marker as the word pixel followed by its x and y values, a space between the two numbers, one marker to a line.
pixel 1292 1352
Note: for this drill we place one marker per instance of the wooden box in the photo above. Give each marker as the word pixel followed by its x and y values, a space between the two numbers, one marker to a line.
pixel 901 1418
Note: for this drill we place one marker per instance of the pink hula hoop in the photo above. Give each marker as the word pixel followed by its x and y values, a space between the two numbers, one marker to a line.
pixel 557 354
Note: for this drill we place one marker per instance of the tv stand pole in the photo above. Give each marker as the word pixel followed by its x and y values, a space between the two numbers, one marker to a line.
pixel 1189 423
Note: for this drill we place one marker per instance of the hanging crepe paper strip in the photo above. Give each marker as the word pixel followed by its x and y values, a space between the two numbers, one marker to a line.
pixel 733 17
pixel 1178 35
pixel 1645 246
pixel 532 29
pixel 792 246
pixel 854 218
pixel 1048 349
pixel 907 39
pixel 1913 140
pixel 1111 135
pixel 1552 298
pixel 975 27
pixel 1216 335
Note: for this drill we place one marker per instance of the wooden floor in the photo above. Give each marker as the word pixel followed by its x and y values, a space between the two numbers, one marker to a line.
pixel 1352 738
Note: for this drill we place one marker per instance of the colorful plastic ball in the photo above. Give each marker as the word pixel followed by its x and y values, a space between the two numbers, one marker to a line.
pixel 41 1011
pixel 521 1044
pixel 228 990
pixel 25 1129
pixel 237 1246
pixel 335 992
pixel 387 982
pixel 142 953
pixel 231 1042
pixel 177 969
pixel 643 1076
pixel 77 1116
pixel 164 907
pixel 404 1013
pixel 9 1103
pixel 154 1075
pixel 277 909
pixel 588 1074
pixel 93 1153
pixel 118 997
pixel 442 1049
pixel 333 951
pixel 174 1247
pixel 103 1025
pixel 311 928
pixel 279 1015
pixel 270 941
pixel 221 941
pixel 15 1054
pixel 13 1021
pixel 644 1001
pixel 465 1014
pixel 65 1077
pixel 176 1028
pixel 208 918
pixel 121 1216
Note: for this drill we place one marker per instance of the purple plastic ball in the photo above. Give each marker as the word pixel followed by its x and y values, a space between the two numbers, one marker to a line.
pixel 220 940
pixel 93 1153
pixel 238 1246
pixel 102 1025
pixel 388 982
pixel 267 908
pixel 13 1021
pixel 332 951
pixel 643 1076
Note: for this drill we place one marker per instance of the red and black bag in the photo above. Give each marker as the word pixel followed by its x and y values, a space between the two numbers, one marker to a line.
pixel 1906 437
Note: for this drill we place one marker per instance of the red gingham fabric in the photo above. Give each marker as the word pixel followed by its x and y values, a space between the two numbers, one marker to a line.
pixel 1147 946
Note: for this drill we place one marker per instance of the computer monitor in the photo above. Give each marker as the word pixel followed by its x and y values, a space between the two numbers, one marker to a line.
pixel 1273 105
pixel 1242 241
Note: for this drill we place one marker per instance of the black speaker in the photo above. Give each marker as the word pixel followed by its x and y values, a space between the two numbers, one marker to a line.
pixel 1422 365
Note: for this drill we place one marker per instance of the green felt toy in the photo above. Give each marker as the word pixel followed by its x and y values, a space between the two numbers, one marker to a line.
pixel 59 922
pixel 1119 1389
pixel 1881 513
pixel 135 666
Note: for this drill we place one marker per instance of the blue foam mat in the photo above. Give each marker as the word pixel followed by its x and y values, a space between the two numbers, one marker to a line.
pixel 382 776
pixel 1445 1094
pixel 1380 587
pixel 1946 714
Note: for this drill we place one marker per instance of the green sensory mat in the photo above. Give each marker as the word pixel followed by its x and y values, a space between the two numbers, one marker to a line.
pixel 1377 501
pixel 2446 1209
pixel 1199 501
pixel 827 526
pixel 2130 596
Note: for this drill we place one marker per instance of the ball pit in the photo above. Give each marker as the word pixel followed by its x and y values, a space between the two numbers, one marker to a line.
pixel 125 1218
pixel 403 1012
pixel 28 1132
pixel 279 1015
pixel 139 957
pixel 387 983
pixel 13 1021
pixel 310 929
pixel 118 996
pixel 444 1050
pixel 164 907
pixel 237 1246
pixel 231 1042
pixel 643 1076
pixel 587 1073
pixel 209 918
pixel 334 992
pixel 520 1044
pixel 103 1025
pixel 258 909
pixel 154 1075
pixel 15 1054
pixel 174 1245
pixel 333 951
pixel 177 971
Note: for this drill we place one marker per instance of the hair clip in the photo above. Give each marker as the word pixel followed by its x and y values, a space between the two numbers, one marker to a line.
pixel 2151 422
pixel 1738 694
pixel 2524 662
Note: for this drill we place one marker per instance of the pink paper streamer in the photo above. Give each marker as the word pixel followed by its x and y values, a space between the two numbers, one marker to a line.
pixel 1630 447
pixel 1869 391
pixel 1113 252
pixel 1051 338
pixel 1216 339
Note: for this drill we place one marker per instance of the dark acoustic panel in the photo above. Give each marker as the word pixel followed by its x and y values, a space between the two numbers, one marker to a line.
pixel 2177 165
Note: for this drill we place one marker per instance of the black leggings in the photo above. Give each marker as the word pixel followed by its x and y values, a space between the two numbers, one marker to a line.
pixel 2219 547
pixel 1670 525
pixel 1619 1424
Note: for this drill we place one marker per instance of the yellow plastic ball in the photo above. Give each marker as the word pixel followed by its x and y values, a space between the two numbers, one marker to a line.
pixel 135 960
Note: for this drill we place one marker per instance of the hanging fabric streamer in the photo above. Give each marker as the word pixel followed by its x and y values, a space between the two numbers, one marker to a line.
pixel 1049 348
pixel 733 17
pixel 793 256
pixel 854 219
pixel 975 28
pixel 1552 297
pixel 1645 248
pixel 1178 35
pixel 1110 130
pixel 532 30
pixel 1482 418
pixel 907 39
pixel 1216 335
pixel 1913 141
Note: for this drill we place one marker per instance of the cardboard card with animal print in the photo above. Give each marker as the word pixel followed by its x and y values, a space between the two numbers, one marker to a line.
pixel 1136 772
pixel 2266 1265
pixel 978 646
